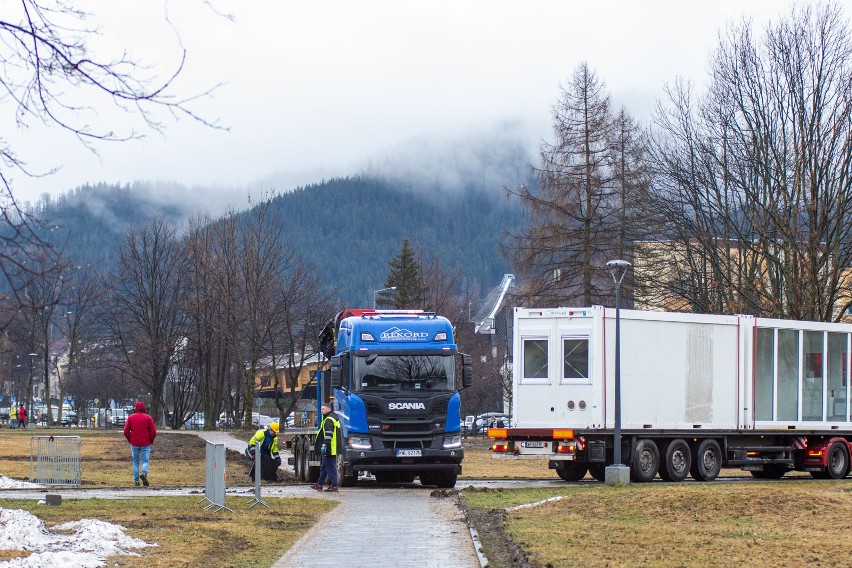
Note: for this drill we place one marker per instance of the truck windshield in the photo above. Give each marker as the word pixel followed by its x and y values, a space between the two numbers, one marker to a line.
pixel 404 372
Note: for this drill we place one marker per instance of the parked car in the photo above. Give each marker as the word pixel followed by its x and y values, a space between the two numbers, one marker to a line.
pixel 491 420
pixel 117 416
pixel 70 419
pixel 468 423
pixel 195 422
pixel 261 420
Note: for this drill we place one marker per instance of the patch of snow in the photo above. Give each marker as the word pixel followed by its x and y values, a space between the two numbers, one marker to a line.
pixel 9 483
pixel 77 544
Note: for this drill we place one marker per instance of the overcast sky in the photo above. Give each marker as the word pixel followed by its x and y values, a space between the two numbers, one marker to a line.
pixel 320 88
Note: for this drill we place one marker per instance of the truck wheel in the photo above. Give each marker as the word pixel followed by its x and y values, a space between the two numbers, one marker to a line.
pixel 706 461
pixel 427 478
pixel 598 471
pixel 571 471
pixel 406 477
pixel 645 461
pixel 446 479
pixel 344 479
pixel 838 461
pixel 676 461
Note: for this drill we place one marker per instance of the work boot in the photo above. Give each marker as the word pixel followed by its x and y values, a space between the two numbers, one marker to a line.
pixel 144 479
pixel 332 489
pixel 136 483
pixel 316 486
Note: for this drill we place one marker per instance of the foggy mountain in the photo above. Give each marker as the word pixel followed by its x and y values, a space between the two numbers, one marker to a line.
pixel 347 228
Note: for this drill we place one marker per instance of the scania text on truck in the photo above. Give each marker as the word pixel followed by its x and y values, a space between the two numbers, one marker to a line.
pixel 698 393
pixel 393 383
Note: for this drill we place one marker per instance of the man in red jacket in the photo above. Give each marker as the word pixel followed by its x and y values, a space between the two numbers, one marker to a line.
pixel 140 431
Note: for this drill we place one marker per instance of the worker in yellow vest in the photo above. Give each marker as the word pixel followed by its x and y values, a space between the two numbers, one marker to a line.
pixel 328 443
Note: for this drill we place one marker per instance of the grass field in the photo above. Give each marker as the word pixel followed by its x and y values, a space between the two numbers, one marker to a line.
pixel 785 523
pixel 187 535
pixel 782 523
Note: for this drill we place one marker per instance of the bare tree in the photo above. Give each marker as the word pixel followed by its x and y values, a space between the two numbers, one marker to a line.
pixel 84 288
pixel 300 309
pixel 261 263
pixel 755 177
pixel 146 317
pixel 589 181
pixel 49 68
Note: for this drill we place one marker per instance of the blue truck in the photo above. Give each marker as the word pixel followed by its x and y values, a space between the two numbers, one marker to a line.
pixel 392 380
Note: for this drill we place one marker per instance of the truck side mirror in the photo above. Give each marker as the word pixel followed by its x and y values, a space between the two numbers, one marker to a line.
pixel 467 370
pixel 336 379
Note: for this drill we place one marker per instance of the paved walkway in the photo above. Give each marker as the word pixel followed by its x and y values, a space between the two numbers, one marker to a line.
pixel 376 528
pixel 386 528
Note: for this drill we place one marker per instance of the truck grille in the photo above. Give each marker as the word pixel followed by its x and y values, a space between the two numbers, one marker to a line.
pixel 408 427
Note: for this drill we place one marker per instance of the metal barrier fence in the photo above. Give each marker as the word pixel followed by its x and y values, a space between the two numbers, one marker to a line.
pixel 214 477
pixel 257 500
pixel 55 460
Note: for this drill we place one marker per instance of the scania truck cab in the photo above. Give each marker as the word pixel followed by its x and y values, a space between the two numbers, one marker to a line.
pixel 396 391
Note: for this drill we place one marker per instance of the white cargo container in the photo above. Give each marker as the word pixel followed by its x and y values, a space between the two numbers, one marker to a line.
pixel 698 392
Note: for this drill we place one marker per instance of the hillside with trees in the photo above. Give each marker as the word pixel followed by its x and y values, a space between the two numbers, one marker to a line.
pixel 346 228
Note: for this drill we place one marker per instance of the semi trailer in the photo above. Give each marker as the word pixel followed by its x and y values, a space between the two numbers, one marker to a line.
pixel 697 393
pixel 393 378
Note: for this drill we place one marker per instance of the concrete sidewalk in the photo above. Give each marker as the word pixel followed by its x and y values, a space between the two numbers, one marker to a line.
pixel 384 527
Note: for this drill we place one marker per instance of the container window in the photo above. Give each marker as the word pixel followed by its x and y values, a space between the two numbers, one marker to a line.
pixel 812 375
pixel 765 387
pixel 575 359
pixel 535 360
pixel 837 368
pixel 788 375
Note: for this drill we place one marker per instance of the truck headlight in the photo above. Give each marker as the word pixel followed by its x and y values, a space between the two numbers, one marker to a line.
pixel 452 441
pixel 360 442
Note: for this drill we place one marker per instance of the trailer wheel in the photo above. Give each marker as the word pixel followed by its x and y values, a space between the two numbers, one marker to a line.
pixel 306 456
pixel 297 460
pixel 676 461
pixel 645 461
pixel 571 471
pixel 706 461
pixel 838 461
pixel 598 471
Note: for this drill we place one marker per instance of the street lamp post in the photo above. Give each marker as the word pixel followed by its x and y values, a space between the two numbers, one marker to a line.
pixel 375 292
pixel 617 473
pixel 30 389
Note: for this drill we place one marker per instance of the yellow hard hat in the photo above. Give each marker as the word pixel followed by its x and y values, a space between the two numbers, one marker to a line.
pixel 274 427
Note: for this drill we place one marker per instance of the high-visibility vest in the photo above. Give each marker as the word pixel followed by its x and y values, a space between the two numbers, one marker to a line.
pixel 321 432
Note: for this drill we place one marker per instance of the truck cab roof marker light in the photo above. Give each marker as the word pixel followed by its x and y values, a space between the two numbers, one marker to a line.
pixel 440 336
pixel 367 336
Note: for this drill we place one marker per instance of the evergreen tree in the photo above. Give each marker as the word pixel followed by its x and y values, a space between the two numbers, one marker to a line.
pixel 406 274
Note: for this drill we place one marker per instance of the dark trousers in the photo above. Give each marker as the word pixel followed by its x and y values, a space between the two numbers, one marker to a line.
pixel 268 468
pixel 328 471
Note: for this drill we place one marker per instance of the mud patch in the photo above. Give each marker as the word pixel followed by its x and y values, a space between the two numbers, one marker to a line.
pixel 498 546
